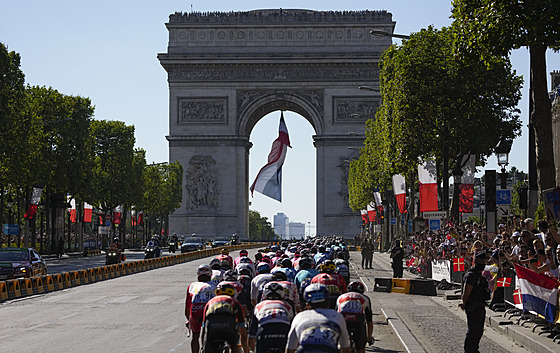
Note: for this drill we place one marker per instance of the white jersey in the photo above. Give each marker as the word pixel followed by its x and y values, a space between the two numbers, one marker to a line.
pixel 217 276
pixel 258 283
pixel 324 327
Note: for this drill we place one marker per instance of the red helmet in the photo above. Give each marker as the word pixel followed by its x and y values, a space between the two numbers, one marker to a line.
pixel 356 286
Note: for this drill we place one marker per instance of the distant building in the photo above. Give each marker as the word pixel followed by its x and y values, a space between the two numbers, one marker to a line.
pixel 282 225
pixel 297 230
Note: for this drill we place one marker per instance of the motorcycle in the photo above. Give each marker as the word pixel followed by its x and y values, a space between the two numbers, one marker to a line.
pixel 151 251
pixel 172 246
pixel 114 257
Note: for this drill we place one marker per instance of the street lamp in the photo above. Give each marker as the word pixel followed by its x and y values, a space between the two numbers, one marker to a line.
pixel 378 33
pixel 502 153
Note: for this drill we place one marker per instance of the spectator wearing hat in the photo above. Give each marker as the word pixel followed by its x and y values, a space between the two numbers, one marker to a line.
pixel 475 293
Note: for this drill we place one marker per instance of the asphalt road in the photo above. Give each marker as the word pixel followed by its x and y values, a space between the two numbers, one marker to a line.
pixel 143 312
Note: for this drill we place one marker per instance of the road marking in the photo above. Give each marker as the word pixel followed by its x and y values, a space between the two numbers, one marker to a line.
pixel 179 345
pixel 122 299
pixel 361 278
pixel 154 300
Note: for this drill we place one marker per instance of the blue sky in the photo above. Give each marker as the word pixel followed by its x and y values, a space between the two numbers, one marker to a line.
pixel 106 50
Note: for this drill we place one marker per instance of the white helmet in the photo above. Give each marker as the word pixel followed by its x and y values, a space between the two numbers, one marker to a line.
pixel 204 270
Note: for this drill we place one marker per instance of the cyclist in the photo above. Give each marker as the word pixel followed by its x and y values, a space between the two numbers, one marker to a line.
pixel 217 271
pixel 342 267
pixel 198 294
pixel 223 321
pixel 356 309
pixel 290 289
pixel 264 276
pixel 286 266
pixel 320 329
pixel 242 254
pixel 225 256
pixel 321 255
pixel 271 320
pixel 334 282
pixel 246 263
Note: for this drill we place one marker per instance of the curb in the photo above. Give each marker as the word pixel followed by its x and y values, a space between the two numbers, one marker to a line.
pixel 406 338
pixel 521 335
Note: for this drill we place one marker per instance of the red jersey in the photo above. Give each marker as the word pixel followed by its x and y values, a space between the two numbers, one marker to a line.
pixel 224 304
pixel 333 281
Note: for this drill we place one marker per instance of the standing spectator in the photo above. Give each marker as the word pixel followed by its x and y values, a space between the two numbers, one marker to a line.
pixel 475 293
pixel 60 247
pixel 397 254
pixel 367 253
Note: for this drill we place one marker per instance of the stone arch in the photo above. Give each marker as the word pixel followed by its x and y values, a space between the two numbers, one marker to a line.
pixel 228 70
pixel 267 103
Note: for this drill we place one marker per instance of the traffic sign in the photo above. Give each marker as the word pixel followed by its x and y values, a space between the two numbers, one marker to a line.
pixel 410 225
pixel 502 211
pixel 434 215
pixel 503 197
pixel 393 221
pixel 11 229
pixel 435 224
pixel 107 223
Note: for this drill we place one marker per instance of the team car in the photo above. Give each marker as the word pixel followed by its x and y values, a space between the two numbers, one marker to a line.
pixel 21 263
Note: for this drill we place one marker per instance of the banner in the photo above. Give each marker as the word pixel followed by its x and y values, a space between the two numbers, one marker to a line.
pixel 551 198
pixel 427 179
pixel 441 269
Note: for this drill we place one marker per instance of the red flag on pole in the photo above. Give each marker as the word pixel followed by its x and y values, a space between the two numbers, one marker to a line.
pixel 427 179
pixel 35 198
pixel 72 210
pixel 399 188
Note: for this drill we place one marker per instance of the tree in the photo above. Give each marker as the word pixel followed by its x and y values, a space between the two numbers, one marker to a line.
pixel 163 190
pixel 260 227
pixel 435 105
pixel 495 27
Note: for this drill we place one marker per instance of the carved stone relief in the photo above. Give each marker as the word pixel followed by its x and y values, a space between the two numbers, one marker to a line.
pixel 202 183
pixel 343 191
pixel 349 109
pixel 221 73
pixel 202 110
pixel 246 97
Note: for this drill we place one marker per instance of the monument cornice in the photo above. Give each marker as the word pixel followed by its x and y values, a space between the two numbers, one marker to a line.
pixel 281 16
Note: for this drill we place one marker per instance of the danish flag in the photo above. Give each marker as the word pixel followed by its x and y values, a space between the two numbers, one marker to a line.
pixel 459 264
pixel 504 282
pixel 517 299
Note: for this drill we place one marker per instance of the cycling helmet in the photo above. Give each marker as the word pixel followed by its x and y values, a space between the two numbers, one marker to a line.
pixel 279 276
pixel 327 266
pixel 245 271
pixel 230 275
pixel 263 267
pixel 225 265
pixel 204 270
pixel 356 286
pixel 273 290
pixel 245 260
pixel 225 289
pixel 216 264
pixel 305 263
pixel 225 251
pixel 316 293
pixel 243 252
pixel 287 263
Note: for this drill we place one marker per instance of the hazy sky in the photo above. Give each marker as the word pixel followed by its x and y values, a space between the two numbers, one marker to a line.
pixel 107 51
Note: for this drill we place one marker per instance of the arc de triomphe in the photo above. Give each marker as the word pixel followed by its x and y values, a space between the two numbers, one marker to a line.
pixel 228 70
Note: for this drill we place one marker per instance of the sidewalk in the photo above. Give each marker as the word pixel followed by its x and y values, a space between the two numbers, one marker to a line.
pixel 434 324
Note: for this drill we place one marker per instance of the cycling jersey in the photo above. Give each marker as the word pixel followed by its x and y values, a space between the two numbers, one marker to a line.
pixel 291 293
pixel 320 257
pixel 237 260
pixel 342 269
pixel 198 294
pixel 227 258
pixel 290 272
pixel 223 316
pixel 270 311
pixel 356 309
pixel 322 330
pixel 247 266
pixel 303 274
pixel 217 276
pixel 257 285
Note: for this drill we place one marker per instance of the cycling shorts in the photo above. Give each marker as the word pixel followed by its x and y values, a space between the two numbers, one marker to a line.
pixel 356 325
pixel 272 337
pixel 195 321
pixel 220 328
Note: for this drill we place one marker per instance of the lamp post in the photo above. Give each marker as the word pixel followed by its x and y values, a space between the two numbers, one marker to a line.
pixel 502 154
pixel 10 204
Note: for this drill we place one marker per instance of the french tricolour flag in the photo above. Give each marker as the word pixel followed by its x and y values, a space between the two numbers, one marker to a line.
pixel 399 188
pixel 539 292
pixel 269 180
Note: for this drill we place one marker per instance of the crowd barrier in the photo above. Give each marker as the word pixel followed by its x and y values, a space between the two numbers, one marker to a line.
pixel 405 286
pixel 16 288
pixel 506 293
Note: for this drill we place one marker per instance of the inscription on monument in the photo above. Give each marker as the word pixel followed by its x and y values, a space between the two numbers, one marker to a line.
pixel 202 183
pixel 348 109
pixel 202 110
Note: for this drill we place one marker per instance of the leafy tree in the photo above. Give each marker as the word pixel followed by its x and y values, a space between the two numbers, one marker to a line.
pixel 163 190
pixel 260 227
pixel 493 28
pixel 435 104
